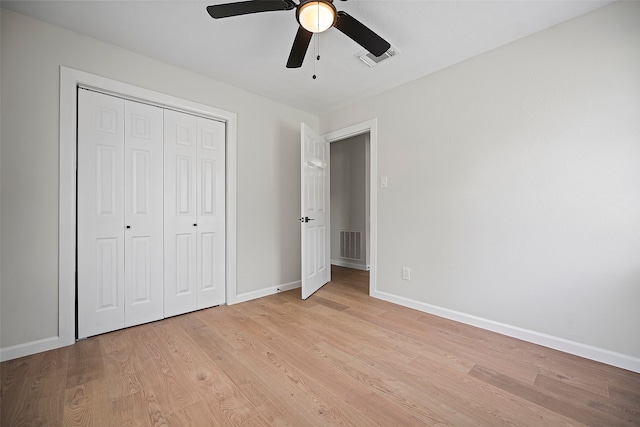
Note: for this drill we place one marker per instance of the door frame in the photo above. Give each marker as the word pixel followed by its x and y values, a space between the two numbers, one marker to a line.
pixel 70 79
pixel 370 127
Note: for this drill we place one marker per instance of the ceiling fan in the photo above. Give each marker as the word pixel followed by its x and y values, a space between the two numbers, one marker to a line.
pixel 314 16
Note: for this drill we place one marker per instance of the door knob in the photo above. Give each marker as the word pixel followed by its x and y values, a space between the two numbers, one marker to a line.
pixel 305 219
pixel 128 226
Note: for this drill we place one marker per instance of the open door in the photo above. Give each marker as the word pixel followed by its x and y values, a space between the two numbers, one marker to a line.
pixel 314 220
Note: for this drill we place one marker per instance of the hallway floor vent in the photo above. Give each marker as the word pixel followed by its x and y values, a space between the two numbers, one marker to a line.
pixel 350 245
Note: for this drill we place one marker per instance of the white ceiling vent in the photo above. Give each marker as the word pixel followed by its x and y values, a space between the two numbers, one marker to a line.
pixel 371 60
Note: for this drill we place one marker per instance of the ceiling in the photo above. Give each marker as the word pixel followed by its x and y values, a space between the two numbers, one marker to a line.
pixel 251 51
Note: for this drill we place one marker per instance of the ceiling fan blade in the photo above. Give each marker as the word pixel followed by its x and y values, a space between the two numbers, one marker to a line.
pixel 361 34
pixel 299 48
pixel 246 7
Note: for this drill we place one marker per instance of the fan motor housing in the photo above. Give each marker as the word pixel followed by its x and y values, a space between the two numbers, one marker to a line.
pixel 318 20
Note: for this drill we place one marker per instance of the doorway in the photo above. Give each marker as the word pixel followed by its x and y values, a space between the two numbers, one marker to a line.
pixel 368 129
pixel 349 202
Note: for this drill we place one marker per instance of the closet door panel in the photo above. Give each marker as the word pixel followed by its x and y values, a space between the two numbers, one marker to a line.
pixel 211 213
pixel 180 217
pixel 100 236
pixel 144 140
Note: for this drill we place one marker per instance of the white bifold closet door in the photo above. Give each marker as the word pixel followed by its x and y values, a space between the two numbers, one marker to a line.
pixel 120 213
pixel 194 213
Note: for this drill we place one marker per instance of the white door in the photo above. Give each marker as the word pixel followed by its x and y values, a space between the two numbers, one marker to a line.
pixel 195 263
pixel 314 175
pixel 180 227
pixel 151 213
pixel 143 210
pixel 100 213
pixel 120 210
pixel 210 213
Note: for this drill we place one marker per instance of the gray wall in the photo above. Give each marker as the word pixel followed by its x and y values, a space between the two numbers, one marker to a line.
pixel 348 191
pixel 514 183
pixel 268 251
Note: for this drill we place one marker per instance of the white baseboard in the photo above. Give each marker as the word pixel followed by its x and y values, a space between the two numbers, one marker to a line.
pixel 30 348
pixel 347 264
pixel 266 292
pixel 583 350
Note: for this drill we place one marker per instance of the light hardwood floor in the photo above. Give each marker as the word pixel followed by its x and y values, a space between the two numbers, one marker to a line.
pixel 340 357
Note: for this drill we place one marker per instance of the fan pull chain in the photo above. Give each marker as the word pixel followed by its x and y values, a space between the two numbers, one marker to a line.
pixel 316 49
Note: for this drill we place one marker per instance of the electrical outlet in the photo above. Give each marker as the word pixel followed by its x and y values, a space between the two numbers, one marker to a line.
pixel 406 273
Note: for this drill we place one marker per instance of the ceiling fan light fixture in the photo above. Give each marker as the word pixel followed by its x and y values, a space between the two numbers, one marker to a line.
pixel 316 16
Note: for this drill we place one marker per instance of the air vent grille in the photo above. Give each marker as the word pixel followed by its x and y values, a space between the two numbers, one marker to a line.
pixel 350 245
pixel 371 60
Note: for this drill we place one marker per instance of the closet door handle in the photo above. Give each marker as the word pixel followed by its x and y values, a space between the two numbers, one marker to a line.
pixel 195 225
pixel 128 226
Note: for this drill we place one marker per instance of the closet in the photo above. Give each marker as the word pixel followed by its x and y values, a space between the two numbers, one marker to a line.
pixel 143 174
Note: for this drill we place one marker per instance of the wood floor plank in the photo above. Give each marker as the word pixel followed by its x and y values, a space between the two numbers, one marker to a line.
pixel 281 321
pixel 13 376
pixel 623 395
pixel 253 324
pixel 85 405
pixel 571 408
pixel 43 385
pixel 304 391
pixel 138 409
pixel 326 321
pixel 230 405
pixel 118 353
pixel 201 414
pixel 359 304
pixel 269 401
pixel 161 375
pixel 418 402
pixel 120 386
pixel 85 362
pixel 321 326
pixel 47 361
pixel 123 368
pixel 45 411
pixel 475 399
pixel 136 337
pixel 340 357
pixel 330 303
pixel 325 365
pixel 454 345
pixel 402 397
pixel 621 379
pixel 625 412
pixel 347 332
pixel 190 320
